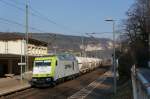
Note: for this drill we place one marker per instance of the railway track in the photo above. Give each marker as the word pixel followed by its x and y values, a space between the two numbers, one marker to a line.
pixel 61 91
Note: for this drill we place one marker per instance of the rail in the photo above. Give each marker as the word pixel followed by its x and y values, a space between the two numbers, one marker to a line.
pixel 140 83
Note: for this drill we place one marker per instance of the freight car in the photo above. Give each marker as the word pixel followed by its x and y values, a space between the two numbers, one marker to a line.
pixel 88 64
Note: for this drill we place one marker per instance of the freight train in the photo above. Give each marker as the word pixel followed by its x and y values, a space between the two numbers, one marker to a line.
pixel 53 69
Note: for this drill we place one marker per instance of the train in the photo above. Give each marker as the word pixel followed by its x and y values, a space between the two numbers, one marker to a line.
pixel 53 69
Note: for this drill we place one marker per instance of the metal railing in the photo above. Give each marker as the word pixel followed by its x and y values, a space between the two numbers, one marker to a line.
pixel 140 83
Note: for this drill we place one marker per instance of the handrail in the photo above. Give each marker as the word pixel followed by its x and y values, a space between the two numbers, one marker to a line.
pixel 140 83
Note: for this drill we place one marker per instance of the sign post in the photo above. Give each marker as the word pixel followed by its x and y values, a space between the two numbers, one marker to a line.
pixel 21 64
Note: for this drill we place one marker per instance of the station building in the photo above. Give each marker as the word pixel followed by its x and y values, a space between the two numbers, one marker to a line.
pixel 12 48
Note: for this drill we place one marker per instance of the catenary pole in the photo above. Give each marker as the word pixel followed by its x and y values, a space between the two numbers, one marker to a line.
pixel 27 36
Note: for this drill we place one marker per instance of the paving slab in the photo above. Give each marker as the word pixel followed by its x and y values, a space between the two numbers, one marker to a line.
pixel 9 85
pixel 98 89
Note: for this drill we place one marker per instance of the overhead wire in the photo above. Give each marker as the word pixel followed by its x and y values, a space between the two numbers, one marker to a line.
pixel 12 5
pixel 19 24
pixel 19 3
pixel 13 22
pixel 39 15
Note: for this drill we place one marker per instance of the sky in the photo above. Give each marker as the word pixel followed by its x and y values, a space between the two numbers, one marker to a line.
pixel 70 17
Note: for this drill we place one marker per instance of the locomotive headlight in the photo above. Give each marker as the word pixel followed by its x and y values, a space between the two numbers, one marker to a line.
pixel 34 79
pixel 48 79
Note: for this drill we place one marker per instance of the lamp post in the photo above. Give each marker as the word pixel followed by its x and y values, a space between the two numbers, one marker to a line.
pixel 114 60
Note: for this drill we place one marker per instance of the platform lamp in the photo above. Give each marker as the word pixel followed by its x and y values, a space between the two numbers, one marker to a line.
pixel 114 60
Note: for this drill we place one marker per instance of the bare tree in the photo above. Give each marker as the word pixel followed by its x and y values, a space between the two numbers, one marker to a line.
pixel 137 29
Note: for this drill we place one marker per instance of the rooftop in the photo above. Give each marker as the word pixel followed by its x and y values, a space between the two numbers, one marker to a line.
pixel 19 36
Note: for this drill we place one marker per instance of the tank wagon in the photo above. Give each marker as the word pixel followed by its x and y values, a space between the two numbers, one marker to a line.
pixel 49 70
pixel 88 64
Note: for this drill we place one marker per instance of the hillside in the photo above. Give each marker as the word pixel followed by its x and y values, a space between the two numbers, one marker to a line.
pixel 99 47
pixel 67 43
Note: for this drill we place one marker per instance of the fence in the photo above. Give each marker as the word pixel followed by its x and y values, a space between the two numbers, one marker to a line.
pixel 140 83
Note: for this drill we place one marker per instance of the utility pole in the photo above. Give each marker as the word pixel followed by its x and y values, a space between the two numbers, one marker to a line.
pixel 27 37
pixel 21 71
pixel 55 46
pixel 83 47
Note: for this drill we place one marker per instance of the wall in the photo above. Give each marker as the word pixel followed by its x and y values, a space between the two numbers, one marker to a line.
pixel 3 47
pixel 17 47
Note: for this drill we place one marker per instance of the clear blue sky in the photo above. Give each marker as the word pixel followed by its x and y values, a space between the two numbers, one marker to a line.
pixel 79 16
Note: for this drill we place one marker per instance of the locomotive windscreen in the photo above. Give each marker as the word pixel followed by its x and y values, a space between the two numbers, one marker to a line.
pixel 43 63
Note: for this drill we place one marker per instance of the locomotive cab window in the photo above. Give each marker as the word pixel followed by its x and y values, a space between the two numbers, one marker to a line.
pixel 42 63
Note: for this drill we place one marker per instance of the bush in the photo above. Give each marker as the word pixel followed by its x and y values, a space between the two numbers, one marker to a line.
pixel 124 67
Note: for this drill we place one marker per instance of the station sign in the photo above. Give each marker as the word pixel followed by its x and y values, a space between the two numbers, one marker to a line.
pixel 21 64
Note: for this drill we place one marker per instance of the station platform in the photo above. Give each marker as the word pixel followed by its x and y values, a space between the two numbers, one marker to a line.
pixel 102 88
pixel 103 91
pixel 12 84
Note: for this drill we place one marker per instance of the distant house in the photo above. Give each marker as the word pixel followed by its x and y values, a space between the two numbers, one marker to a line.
pixel 13 46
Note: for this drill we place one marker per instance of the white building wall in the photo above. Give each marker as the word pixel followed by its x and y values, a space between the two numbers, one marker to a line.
pixel 17 47
pixel 2 47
